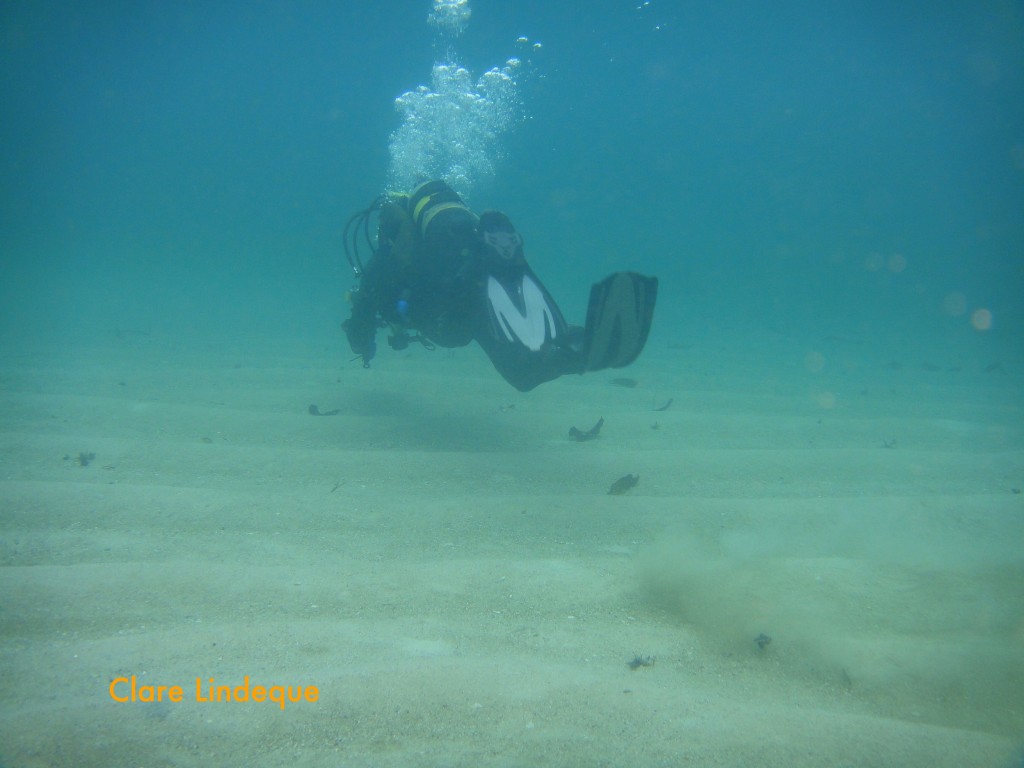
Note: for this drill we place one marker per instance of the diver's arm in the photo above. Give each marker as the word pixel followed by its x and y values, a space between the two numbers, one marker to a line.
pixel 361 327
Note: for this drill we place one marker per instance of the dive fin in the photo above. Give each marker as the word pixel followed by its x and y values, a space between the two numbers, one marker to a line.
pixel 528 341
pixel 619 319
pixel 523 331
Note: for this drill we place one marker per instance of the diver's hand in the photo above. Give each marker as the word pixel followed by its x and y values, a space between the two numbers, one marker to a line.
pixel 369 353
pixel 361 340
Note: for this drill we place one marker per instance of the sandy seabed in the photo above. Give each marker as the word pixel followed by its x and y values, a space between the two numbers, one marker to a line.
pixel 447 567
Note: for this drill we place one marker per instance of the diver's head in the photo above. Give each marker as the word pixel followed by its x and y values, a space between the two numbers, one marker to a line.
pixel 396 233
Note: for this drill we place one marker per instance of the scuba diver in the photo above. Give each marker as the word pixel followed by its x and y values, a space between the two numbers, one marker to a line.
pixel 441 275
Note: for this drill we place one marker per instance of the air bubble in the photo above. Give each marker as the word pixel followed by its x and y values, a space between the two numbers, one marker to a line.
pixel 452 129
